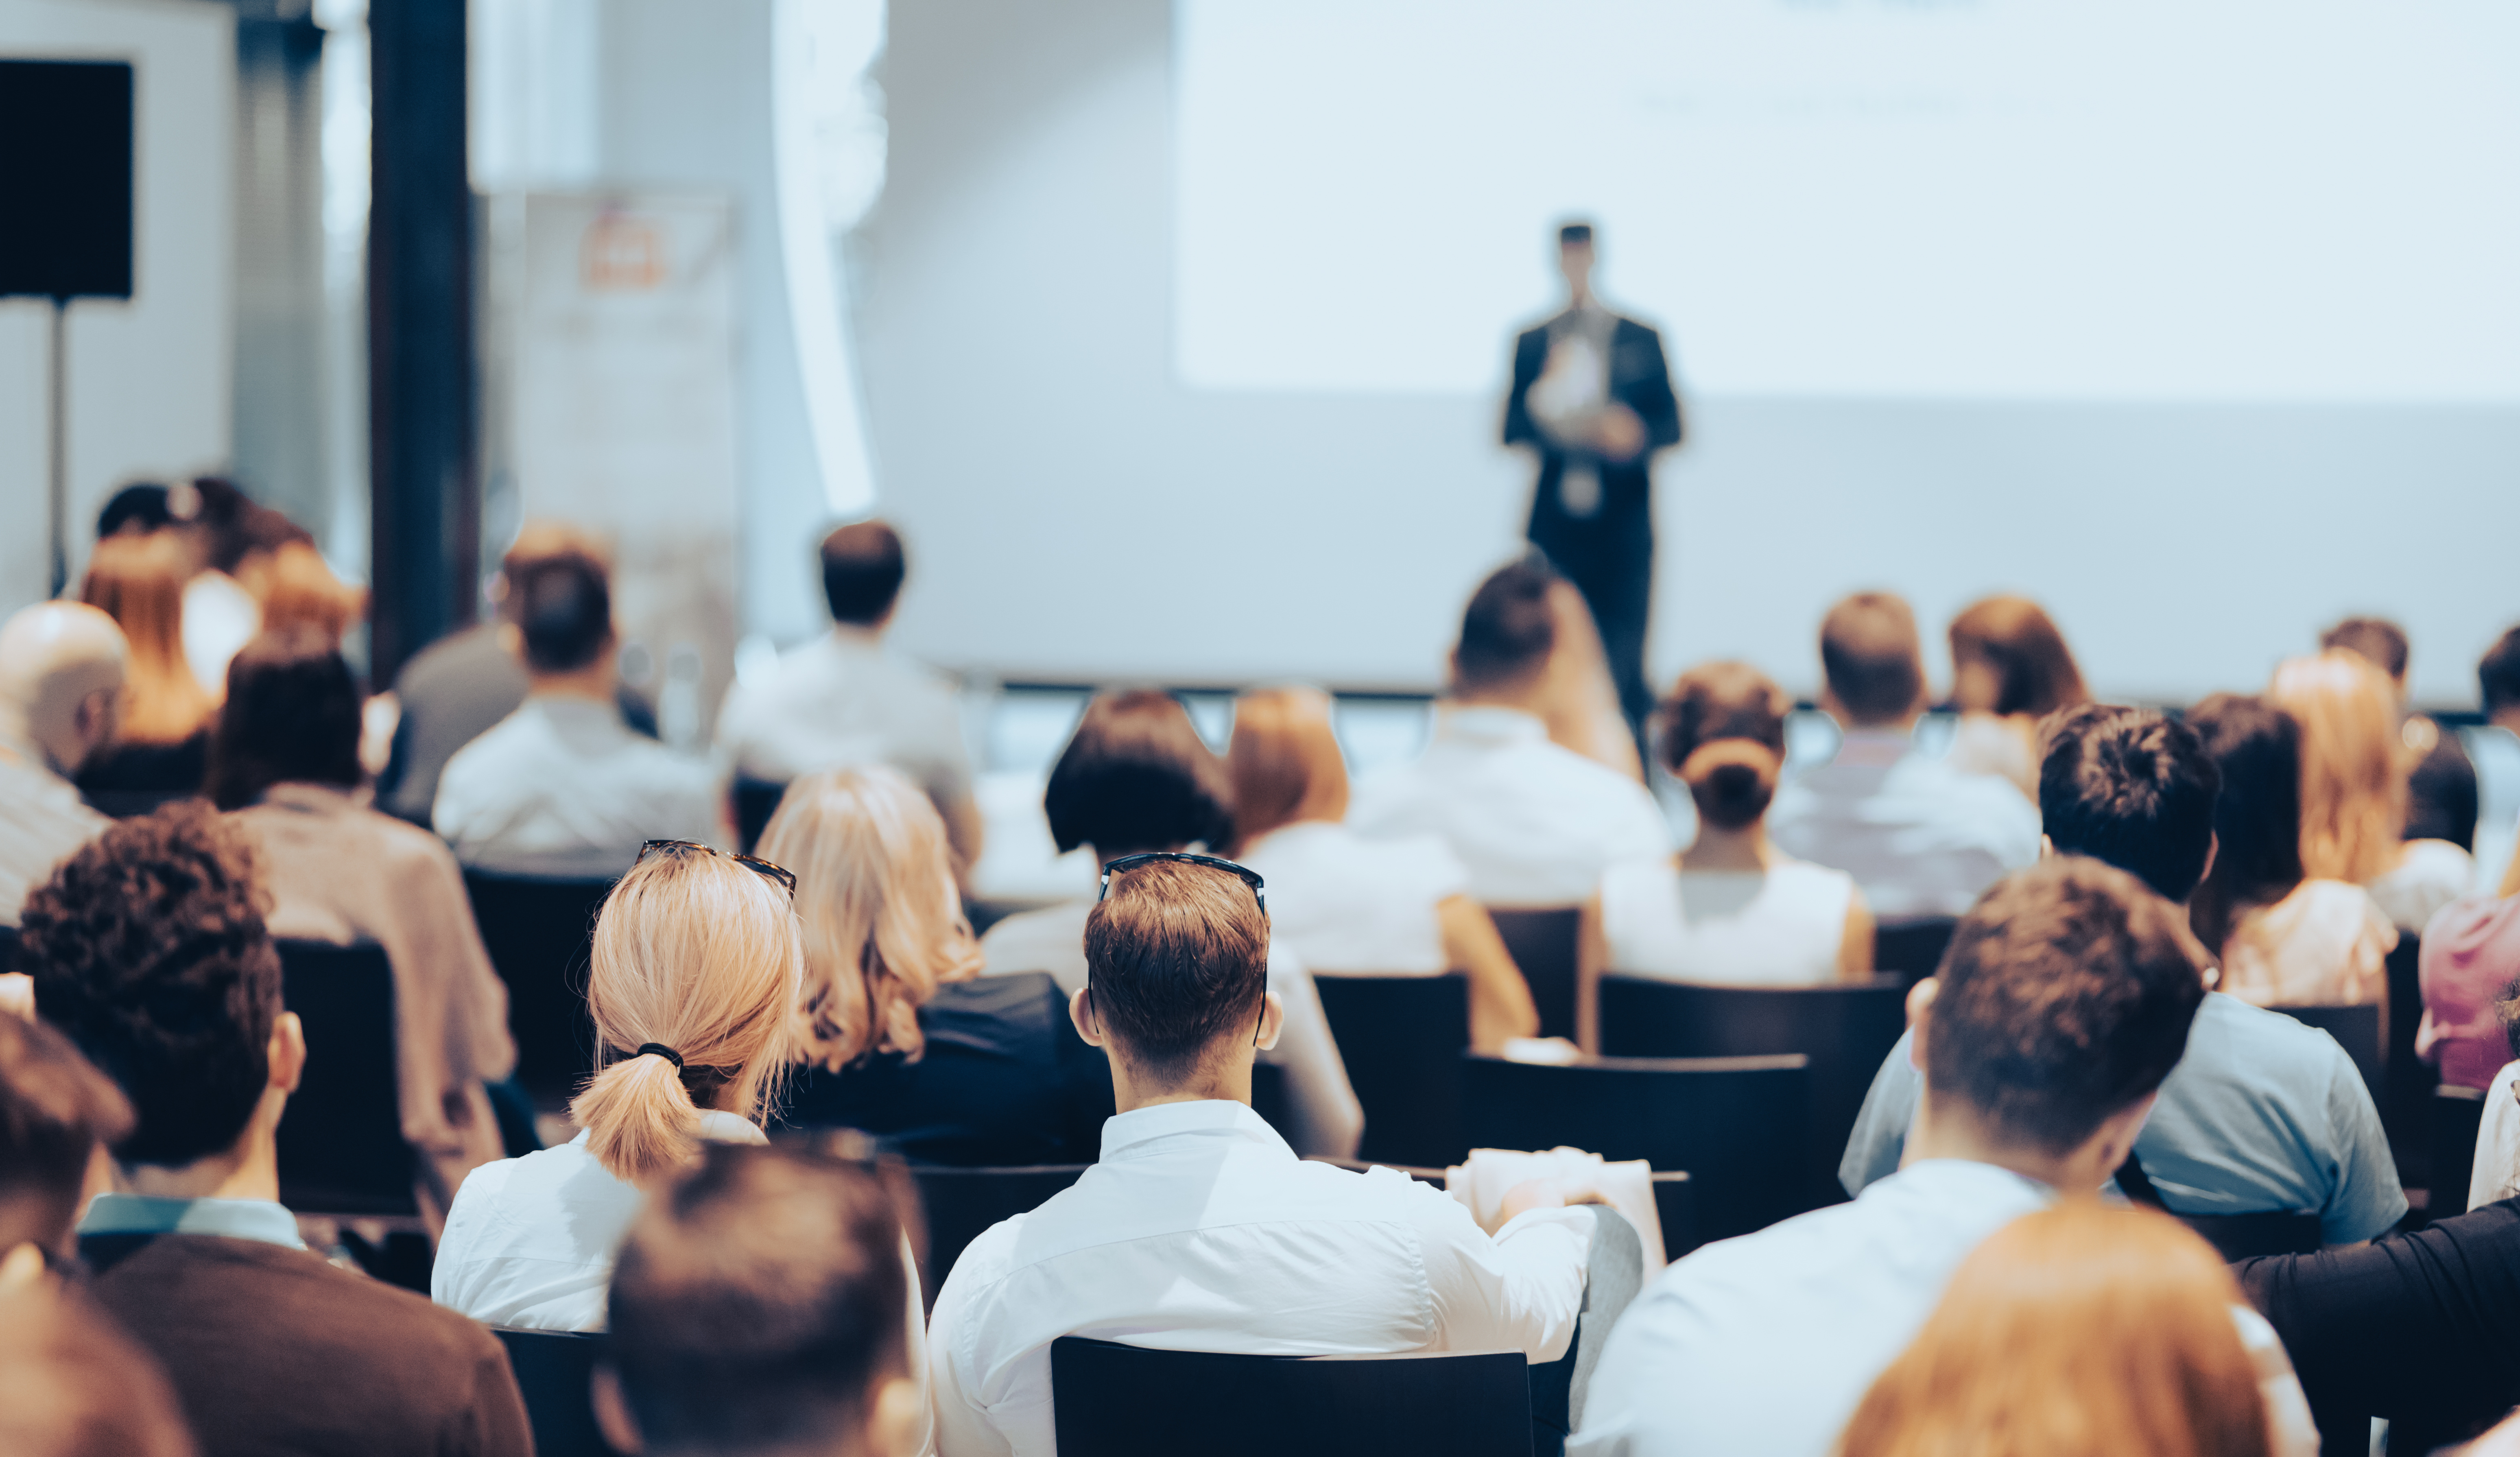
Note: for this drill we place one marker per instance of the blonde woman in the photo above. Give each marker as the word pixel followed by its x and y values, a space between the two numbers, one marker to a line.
pixel 697 968
pixel 2354 767
pixel 161 746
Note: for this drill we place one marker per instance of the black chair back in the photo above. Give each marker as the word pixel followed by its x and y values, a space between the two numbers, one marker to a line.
pixel 1733 1124
pixel 756 802
pixel 342 1149
pixel 2238 1237
pixel 2407 1111
pixel 554 1371
pixel 1402 1039
pixel 2361 1032
pixel 2457 1113
pixel 1116 1401
pixel 962 1204
pixel 1544 944
pixel 1910 948
pixel 7 948
pixel 539 933
pixel 1846 1028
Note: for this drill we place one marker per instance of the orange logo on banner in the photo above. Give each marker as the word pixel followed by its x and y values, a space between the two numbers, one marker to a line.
pixel 622 254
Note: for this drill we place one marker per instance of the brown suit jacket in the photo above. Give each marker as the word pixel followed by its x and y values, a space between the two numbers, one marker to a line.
pixel 273 1350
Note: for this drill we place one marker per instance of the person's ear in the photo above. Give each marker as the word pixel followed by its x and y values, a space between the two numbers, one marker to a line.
pixel 512 640
pixel 1920 1001
pixel 2046 849
pixel 896 1418
pixel 1273 1020
pixel 1080 1011
pixel 287 1052
pixel 612 1411
pixel 23 1268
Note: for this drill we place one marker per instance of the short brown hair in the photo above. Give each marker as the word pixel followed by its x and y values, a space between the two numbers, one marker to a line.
pixel 1284 762
pixel 55 1109
pixel 1870 656
pixel 863 568
pixel 1136 776
pixel 291 714
pixel 1177 957
pixel 1509 630
pixel 2378 640
pixel 2025 667
pixel 2066 996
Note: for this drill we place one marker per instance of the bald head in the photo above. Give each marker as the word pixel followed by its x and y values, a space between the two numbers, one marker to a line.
pixel 62 668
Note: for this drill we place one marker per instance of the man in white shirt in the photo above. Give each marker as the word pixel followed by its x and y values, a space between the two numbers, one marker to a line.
pixel 1199 1229
pixel 1920 838
pixel 2065 1001
pixel 844 699
pixel 562 786
pixel 1535 824
pixel 61 671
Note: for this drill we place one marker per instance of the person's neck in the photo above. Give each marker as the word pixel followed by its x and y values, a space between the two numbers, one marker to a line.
pixel 2506 720
pixel 248 1170
pixel 1522 697
pixel 594 683
pixel 862 634
pixel 1218 1080
pixel 1948 1129
pixel 1718 849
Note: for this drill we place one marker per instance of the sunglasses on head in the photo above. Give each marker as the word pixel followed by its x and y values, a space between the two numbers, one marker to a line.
pixel 780 873
pixel 1248 876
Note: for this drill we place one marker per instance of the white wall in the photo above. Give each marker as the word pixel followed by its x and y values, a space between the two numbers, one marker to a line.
pixel 1077 514
pixel 149 380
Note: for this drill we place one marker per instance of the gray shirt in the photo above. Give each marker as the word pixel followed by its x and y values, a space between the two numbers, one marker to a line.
pixel 42 823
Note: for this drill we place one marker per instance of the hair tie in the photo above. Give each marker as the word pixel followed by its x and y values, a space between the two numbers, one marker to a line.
pixel 662 1051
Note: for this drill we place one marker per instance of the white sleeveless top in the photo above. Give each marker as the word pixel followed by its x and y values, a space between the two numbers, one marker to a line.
pixel 1781 927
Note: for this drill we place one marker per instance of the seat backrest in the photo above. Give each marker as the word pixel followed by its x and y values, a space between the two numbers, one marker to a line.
pixel 1735 1125
pixel 1116 1401
pixel 1846 1028
pixel 1543 943
pixel 2407 1111
pixel 554 1371
pixel 2238 1237
pixel 961 1203
pixel 539 933
pixel 7 948
pixel 756 802
pixel 342 1149
pixel 1402 1039
pixel 2361 1030
pixel 1911 949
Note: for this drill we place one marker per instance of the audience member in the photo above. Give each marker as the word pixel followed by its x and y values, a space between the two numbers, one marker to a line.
pixel 1348 905
pixel 2469 959
pixel 1135 777
pixel 1199 1229
pixel 2263 1113
pixel 845 698
pixel 149 948
pixel 1920 837
pixel 2010 669
pixel 2285 938
pixel 73 1385
pixel 62 674
pixel 229 545
pixel 757 1311
pixel 2353 789
pixel 160 749
pixel 2063 1003
pixel 300 588
pixel 1581 706
pixel 286 759
pixel 694 986
pixel 902 1039
pixel 2440 787
pixel 57 1115
pixel 1730 908
pixel 562 786
pixel 2086 1331
pixel 2495 749
pixel 1532 823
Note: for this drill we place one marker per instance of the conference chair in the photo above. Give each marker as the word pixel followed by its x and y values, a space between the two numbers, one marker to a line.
pixel 756 802
pixel 1674 1196
pixel 2457 1112
pixel 1543 943
pixel 1846 1028
pixel 539 933
pixel 1735 1125
pixel 1402 1039
pixel 962 1204
pixel 8 949
pixel 1912 947
pixel 2407 1111
pixel 342 1149
pixel 554 1373
pixel 2238 1237
pixel 2362 1031
pixel 1113 1400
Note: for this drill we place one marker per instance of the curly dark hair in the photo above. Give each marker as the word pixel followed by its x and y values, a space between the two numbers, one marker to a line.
pixel 148 948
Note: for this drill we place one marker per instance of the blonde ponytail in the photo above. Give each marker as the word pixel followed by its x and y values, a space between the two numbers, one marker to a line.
pixel 638 1120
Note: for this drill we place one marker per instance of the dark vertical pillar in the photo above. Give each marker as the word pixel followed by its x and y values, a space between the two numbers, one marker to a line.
pixel 427 498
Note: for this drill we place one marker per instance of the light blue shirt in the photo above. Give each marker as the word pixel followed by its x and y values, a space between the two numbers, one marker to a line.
pixel 1920 837
pixel 233 1218
pixel 2262 1114
pixel 1766 1344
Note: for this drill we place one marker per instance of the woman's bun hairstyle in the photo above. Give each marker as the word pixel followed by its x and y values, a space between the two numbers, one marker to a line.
pixel 1724 736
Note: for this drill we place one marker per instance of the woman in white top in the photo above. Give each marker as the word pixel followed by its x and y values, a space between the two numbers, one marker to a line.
pixel 2354 767
pixel 1136 776
pixel 695 987
pixel 2010 669
pixel 1355 906
pixel 1730 909
pixel 2285 940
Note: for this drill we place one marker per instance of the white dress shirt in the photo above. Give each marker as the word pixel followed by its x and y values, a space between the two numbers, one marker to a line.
pixel 1533 824
pixel 563 787
pixel 1320 1102
pixel 2495 1175
pixel 1346 904
pixel 1200 1230
pixel 842 701
pixel 42 823
pixel 1920 837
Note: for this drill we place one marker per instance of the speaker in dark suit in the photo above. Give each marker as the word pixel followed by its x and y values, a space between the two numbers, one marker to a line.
pixel 1592 396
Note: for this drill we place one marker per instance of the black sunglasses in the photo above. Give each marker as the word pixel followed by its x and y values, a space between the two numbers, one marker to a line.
pixel 780 873
pixel 1248 876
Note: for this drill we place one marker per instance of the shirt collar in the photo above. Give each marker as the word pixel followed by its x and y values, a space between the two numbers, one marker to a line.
pixel 257 1220
pixel 573 706
pixel 1489 723
pixel 1128 1135
pixel 1967 1179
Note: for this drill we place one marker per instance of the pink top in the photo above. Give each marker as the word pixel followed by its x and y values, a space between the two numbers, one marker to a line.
pixel 2471 952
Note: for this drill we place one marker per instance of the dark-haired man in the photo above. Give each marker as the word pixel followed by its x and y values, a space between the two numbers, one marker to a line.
pixel 2263 1113
pixel 1199 1229
pixel 1535 824
pixel 847 698
pixel 1920 837
pixel 563 787
pixel 2495 749
pixel 2065 1000
pixel 761 1306
pixel 149 949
